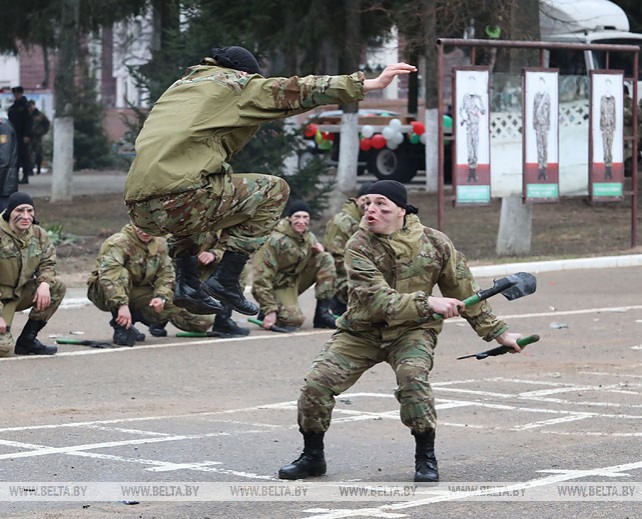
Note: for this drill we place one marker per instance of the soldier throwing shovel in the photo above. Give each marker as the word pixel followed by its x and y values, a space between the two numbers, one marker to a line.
pixel 393 263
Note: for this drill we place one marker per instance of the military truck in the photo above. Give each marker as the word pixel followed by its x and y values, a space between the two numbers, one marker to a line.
pixel 391 145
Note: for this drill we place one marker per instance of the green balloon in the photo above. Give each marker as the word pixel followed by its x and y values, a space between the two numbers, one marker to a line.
pixel 448 122
pixel 325 145
pixel 414 138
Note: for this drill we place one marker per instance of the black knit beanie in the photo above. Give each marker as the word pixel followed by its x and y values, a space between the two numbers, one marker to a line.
pixel 298 205
pixel 393 191
pixel 237 58
pixel 16 199
pixel 363 190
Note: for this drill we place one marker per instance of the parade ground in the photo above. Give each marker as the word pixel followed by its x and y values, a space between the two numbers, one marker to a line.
pixel 197 428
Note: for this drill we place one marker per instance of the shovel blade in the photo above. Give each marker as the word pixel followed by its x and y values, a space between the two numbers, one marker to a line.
pixel 524 285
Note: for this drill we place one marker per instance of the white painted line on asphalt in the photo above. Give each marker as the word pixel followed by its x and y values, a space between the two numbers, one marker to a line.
pixel 554 421
pixel 604 262
pixel 606 374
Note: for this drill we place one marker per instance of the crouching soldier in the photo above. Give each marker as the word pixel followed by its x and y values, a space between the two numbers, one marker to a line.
pixel 133 278
pixel 27 277
pixel 290 262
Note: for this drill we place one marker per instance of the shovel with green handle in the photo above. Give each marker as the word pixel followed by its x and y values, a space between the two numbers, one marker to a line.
pixel 500 350
pixel 511 287
pixel 84 342
pixel 274 328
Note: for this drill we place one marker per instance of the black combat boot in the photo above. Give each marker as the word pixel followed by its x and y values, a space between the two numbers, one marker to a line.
pixel 426 470
pixel 189 293
pixel 322 316
pixel 140 336
pixel 310 463
pixel 28 344
pixel 123 336
pixel 158 329
pixel 225 327
pixel 224 283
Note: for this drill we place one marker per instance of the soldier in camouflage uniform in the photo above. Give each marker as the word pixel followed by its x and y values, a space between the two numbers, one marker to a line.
pixel 289 263
pixel 628 131
pixel 133 278
pixel 181 184
pixel 27 277
pixel 338 231
pixel 393 264
pixel 39 128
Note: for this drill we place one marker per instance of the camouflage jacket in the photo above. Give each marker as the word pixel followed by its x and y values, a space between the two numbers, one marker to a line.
pixel 124 262
pixel 24 257
pixel 278 263
pixel 338 231
pixel 391 277
pixel 40 124
pixel 209 114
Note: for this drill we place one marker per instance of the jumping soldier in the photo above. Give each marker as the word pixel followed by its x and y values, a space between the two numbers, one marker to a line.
pixel 181 184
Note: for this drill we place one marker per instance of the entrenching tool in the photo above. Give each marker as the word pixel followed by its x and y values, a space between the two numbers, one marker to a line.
pixel 511 287
pixel 275 328
pixel 84 342
pixel 500 350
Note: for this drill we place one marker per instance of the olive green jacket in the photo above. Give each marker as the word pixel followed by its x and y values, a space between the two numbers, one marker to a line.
pixel 338 231
pixel 391 276
pixel 209 114
pixel 279 262
pixel 124 262
pixel 24 257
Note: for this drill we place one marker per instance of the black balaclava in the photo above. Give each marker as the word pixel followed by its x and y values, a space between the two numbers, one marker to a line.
pixel 16 199
pixel 393 191
pixel 237 58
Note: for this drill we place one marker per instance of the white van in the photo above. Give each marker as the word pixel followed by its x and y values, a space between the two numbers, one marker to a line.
pixel 587 21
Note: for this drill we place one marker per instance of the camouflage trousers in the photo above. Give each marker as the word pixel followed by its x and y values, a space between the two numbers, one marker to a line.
pixel 139 298
pixel 348 355
pixel 321 273
pixel 57 291
pixel 244 207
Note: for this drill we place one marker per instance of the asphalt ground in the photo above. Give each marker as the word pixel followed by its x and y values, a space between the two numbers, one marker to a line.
pixel 197 428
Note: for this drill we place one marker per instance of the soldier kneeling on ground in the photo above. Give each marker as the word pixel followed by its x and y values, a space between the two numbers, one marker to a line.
pixel 27 277
pixel 289 263
pixel 134 278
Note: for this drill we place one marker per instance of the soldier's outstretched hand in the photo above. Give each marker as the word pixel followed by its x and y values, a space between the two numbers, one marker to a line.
pixel 389 73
